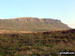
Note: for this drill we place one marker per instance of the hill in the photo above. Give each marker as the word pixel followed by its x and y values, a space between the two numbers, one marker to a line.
pixel 32 24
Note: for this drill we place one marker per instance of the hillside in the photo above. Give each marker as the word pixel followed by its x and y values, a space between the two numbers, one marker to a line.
pixel 37 44
pixel 32 24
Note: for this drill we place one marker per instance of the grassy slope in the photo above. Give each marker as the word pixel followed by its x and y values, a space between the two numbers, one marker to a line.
pixel 37 43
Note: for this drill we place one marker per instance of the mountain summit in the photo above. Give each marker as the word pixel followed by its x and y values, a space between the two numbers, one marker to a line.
pixel 32 24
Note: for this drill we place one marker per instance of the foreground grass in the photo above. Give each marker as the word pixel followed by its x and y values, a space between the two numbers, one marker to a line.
pixel 37 44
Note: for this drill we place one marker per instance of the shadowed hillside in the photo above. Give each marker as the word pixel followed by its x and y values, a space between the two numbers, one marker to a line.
pixel 32 24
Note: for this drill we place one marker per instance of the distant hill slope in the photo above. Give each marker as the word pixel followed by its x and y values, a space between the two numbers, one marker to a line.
pixel 32 24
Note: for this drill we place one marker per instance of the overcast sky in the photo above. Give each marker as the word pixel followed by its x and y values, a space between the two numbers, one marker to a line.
pixel 63 10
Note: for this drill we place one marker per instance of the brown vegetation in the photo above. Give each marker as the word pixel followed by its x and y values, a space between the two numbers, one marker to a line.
pixel 39 44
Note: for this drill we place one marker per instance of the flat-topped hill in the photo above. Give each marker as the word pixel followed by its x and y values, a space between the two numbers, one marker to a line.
pixel 32 24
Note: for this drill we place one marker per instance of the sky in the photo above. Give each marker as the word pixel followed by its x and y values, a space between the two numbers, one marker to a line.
pixel 63 10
